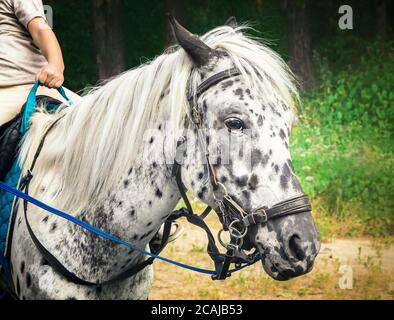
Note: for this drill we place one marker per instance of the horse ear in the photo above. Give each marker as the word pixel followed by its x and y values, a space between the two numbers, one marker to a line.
pixel 232 22
pixel 196 49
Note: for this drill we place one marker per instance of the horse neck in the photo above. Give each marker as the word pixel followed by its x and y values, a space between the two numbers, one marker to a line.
pixel 145 196
pixel 133 210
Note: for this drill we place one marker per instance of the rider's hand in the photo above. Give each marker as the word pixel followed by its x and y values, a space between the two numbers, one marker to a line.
pixel 51 76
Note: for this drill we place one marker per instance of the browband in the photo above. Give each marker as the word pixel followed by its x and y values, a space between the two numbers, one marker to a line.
pixel 211 81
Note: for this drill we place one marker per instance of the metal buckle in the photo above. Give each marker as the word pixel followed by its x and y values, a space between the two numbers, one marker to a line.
pixel 227 245
pixel 264 215
pixel 220 193
pixel 235 232
pixel 220 205
pixel 240 210
pixel 196 116
pixel 233 248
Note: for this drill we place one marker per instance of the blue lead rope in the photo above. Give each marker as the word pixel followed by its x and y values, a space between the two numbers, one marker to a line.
pixel 31 103
pixel 107 236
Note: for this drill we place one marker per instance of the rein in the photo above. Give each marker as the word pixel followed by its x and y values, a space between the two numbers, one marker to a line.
pixel 233 217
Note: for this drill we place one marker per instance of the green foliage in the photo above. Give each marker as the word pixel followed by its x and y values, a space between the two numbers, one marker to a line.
pixel 144 30
pixel 73 27
pixel 343 150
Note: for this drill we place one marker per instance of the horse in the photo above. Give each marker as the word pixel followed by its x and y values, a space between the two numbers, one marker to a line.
pixel 106 161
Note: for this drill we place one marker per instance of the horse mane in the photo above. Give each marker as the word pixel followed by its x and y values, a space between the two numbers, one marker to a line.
pixel 100 137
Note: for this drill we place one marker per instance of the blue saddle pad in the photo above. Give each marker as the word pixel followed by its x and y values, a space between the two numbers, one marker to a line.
pixel 6 200
pixel 12 179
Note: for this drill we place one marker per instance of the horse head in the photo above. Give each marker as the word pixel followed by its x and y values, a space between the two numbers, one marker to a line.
pixel 245 122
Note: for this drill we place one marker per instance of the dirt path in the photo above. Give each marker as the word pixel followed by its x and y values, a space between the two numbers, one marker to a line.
pixel 365 266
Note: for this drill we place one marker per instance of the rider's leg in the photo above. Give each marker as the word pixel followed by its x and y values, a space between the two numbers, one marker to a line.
pixel 11 100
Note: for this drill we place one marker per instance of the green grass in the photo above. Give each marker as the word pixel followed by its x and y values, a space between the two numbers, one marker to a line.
pixel 342 149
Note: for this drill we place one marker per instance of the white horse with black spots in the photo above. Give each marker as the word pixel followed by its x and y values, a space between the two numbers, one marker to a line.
pixel 108 162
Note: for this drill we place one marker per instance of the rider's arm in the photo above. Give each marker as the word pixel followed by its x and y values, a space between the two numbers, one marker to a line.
pixel 50 75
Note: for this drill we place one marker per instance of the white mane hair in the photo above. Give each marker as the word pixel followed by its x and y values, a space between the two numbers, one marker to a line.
pixel 99 138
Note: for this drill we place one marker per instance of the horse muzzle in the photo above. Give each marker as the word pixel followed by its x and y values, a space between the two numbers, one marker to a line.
pixel 288 245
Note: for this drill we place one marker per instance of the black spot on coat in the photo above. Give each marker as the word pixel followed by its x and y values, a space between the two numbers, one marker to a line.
pixel 285 177
pixel 201 193
pixel 158 193
pixel 265 159
pixel 241 181
pixel 239 92
pixel 53 227
pixel 226 84
pixel 255 157
pixel 28 280
pixel 282 134
pixel 18 286
pixel 253 182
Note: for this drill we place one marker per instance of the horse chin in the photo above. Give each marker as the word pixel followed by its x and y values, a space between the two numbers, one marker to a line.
pixel 285 271
pixel 272 271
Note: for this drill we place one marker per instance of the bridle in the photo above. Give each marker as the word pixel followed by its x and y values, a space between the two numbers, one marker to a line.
pixel 232 216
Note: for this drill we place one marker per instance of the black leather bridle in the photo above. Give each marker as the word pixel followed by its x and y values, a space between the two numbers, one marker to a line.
pixel 232 216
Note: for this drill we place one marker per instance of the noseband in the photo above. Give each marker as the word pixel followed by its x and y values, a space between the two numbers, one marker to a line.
pixel 233 217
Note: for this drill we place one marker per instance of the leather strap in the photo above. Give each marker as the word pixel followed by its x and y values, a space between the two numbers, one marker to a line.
pixel 211 81
pixel 212 249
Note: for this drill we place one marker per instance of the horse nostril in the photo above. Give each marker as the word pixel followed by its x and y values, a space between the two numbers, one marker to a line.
pixel 296 248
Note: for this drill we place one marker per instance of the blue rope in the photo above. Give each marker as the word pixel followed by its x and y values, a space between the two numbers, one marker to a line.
pixel 31 103
pixel 105 235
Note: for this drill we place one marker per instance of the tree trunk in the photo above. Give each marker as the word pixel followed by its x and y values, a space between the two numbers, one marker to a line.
pixel 381 17
pixel 259 6
pixel 108 37
pixel 300 51
pixel 175 8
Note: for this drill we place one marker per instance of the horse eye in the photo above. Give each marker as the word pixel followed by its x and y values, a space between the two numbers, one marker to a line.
pixel 234 124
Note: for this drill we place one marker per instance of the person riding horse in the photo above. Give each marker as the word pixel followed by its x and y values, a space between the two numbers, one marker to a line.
pixel 29 51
